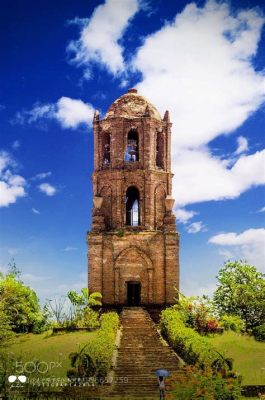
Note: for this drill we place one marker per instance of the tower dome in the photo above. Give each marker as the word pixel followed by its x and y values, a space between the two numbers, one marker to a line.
pixel 132 105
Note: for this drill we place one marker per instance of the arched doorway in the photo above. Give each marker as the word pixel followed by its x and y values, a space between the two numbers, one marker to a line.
pixel 133 278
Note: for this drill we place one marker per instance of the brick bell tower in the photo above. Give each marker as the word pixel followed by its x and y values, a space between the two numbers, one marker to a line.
pixel 133 246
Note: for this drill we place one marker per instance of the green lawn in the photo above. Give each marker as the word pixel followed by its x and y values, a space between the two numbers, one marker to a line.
pixel 247 353
pixel 51 350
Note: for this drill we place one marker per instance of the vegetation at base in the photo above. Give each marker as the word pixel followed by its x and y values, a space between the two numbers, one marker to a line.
pixel 192 382
pixel 198 313
pixel 94 359
pixel 241 292
pixel 48 348
pixel 20 303
pixel 259 333
pixel 247 355
pixel 233 323
pixel 189 344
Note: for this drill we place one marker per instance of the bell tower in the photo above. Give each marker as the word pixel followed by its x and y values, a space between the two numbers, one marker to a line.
pixel 133 246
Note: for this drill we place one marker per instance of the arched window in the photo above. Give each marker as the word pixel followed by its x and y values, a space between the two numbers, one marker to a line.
pixel 160 150
pixel 132 150
pixel 132 206
pixel 106 148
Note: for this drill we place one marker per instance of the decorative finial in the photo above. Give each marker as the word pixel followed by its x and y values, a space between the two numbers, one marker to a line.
pixel 166 117
pixel 96 115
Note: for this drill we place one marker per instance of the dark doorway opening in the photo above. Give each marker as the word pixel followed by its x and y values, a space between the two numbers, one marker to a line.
pixel 133 294
pixel 132 207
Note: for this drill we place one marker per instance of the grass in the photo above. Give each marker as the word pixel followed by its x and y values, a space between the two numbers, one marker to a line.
pixel 51 349
pixel 247 353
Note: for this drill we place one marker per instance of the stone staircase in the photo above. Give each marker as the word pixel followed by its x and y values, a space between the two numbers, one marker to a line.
pixel 142 351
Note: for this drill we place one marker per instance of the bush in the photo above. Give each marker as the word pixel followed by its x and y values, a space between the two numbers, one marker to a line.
pixel 191 346
pixel 259 333
pixel 233 323
pixel 192 383
pixel 91 318
pixel 198 313
pixel 94 359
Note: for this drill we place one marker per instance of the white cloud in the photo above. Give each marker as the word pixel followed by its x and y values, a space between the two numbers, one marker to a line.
pixel 262 209
pixel 42 175
pixel 211 75
pixel 196 227
pixel 184 215
pixel 203 177
pixel 70 248
pixel 100 35
pixel 16 144
pixel 205 59
pixel 242 145
pixel 12 186
pixel 70 113
pixel 248 245
pixel 48 189
pixel 35 211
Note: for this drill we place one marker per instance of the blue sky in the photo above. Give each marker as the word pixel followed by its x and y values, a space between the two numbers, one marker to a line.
pixel 203 61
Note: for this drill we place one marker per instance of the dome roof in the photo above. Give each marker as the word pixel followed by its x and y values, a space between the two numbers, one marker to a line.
pixel 132 105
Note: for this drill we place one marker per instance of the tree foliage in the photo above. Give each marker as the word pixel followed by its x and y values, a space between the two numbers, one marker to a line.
pixel 241 291
pixel 20 302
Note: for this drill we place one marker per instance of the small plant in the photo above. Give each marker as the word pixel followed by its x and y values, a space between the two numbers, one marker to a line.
pixel 259 333
pixel 233 323
pixel 193 383
pixel 120 233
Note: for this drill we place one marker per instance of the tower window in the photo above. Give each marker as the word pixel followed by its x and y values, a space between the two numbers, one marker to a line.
pixel 132 207
pixel 160 150
pixel 106 148
pixel 132 152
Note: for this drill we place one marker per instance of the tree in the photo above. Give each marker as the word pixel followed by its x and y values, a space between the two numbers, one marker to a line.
pixel 241 291
pixel 19 301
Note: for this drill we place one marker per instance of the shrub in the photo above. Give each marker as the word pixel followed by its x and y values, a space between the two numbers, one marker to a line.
pixel 191 346
pixel 198 313
pixel 233 323
pixel 91 318
pixel 192 383
pixel 94 359
pixel 259 333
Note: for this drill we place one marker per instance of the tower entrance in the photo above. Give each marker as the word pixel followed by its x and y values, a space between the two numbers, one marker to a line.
pixel 133 294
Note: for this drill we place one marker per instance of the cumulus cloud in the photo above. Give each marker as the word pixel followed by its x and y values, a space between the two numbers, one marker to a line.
pixel 12 186
pixel 242 145
pixel 262 209
pixel 202 177
pixel 100 35
pixel 68 112
pixel 248 245
pixel 183 215
pixel 48 189
pixel 196 227
pixel 204 59
pixel 35 211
